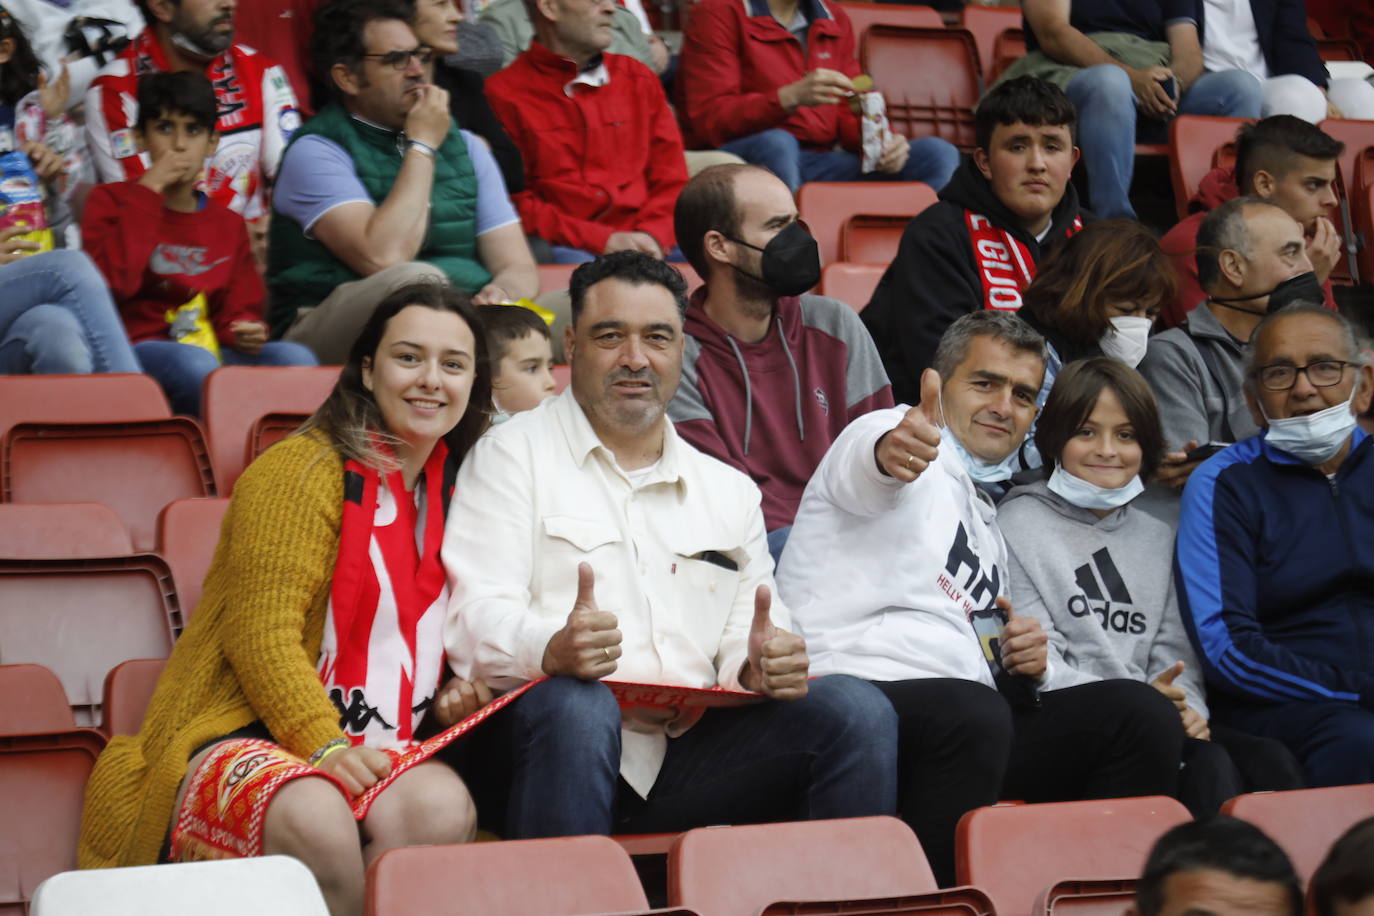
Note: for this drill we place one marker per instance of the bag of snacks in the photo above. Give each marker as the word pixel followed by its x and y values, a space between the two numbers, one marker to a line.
pixel 874 132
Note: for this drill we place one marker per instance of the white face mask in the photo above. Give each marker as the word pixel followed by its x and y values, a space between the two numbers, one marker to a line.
pixel 1087 495
pixel 1316 437
pixel 980 469
pixel 1127 340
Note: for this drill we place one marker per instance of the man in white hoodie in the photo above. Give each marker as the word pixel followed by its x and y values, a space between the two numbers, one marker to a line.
pixel 921 606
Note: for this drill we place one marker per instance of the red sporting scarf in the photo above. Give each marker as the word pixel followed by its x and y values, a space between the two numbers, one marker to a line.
pixel 1005 265
pixel 382 653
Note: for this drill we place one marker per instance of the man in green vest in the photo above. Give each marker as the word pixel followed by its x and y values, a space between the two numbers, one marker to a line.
pixel 381 188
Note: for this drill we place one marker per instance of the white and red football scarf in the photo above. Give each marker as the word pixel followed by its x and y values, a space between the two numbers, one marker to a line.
pixel 1005 265
pixel 382 654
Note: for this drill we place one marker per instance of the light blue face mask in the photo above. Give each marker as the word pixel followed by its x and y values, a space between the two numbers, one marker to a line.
pixel 1087 495
pixel 980 469
pixel 1316 437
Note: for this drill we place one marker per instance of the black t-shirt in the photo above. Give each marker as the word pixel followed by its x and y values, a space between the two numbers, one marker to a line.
pixel 1143 18
pixel 468 105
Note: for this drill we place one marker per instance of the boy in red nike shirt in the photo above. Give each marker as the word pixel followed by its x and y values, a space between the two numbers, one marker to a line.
pixel 178 264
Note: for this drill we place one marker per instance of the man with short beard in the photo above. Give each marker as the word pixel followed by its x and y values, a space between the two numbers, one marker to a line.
pixel 257 109
pixel 771 375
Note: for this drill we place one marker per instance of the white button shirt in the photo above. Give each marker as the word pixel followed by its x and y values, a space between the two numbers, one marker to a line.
pixel 539 494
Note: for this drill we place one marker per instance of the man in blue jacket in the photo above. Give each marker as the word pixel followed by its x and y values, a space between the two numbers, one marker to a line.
pixel 1275 556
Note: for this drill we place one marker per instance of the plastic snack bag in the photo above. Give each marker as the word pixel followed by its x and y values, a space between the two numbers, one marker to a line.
pixel 21 200
pixel 190 324
pixel 874 132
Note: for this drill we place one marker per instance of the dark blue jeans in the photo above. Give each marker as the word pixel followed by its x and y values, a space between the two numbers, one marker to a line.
pixel 931 160
pixel 1333 740
pixel 550 763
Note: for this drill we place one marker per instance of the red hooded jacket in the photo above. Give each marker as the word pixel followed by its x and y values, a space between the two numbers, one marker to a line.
pixel 1180 244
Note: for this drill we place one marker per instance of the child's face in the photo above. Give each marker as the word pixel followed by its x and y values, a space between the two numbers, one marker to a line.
pixel 524 377
pixel 173 132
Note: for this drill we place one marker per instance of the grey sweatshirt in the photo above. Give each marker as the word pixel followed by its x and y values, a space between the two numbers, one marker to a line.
pixel 1103 589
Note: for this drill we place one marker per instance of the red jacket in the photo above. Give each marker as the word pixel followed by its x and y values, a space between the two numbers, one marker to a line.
pixel 1180 244
pixel 157 260
pixel 608 159
pixel 735 57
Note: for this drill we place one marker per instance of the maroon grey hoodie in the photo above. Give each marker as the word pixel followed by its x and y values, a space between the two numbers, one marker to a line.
pixel 772 408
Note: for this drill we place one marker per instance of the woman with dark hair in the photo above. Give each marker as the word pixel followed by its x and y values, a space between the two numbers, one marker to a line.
pixel 1098 294
pixel 1090 554
pixel 316 649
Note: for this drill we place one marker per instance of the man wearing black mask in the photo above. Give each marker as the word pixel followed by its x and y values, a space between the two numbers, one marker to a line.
pixel 1251 259
pixel 770 375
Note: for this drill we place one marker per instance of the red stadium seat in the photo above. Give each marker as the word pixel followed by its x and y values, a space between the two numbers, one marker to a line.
pixel 134 467
pixel 930 78
pixel 1362 212
pixel 739 871
pixel 987 24
pixel 1305 822
pixel 34 701
pixel 128 688
pixel 1338 49
pixel 869 239
pixel 864 15
pixel 1357 137
pixel 237 400
pixel 1193 143
pixel 42 786
pixel 61 531
pixel 1016 852
pixel 80 618
pixel 554 277
pixel 101 398
pixel 1100 897
pixel 569 875
pixel 188 531
pixel 1009 47
pixel 826 206
pixel 852 284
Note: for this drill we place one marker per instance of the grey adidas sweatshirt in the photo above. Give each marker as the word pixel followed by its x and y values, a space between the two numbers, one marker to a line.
pixel 1102 588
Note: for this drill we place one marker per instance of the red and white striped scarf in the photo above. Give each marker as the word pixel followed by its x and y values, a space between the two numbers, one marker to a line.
pixel 382 654
pixel 1005 266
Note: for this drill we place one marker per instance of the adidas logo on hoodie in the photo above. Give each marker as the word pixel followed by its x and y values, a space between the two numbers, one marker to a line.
pixel 1099 576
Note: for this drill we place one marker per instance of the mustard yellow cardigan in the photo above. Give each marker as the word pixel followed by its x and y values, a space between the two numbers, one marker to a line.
pixel 249 652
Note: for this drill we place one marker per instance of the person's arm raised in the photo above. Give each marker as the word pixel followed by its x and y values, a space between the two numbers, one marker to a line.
pixel 906 450
pixel 371 238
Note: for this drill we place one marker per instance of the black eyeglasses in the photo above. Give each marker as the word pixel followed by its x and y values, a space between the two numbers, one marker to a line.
pixel 399 60
pixel 1322 374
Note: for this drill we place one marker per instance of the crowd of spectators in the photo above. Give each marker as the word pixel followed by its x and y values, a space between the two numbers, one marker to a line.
pixel 987 535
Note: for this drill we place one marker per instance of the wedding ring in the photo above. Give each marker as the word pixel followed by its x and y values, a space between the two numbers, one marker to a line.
pixel 909 459
pixel 608 654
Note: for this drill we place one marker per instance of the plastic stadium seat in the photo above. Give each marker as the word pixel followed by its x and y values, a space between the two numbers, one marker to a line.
pixel 1015 852
pixel 128 688
pixel 80 618
pixel 568 875
pixel 1362 212
pixel 826 206
pixel 852 284
pixel 1193 143
pixel 188 531
pixel 930 78
pixel 864 15
pixel 1338 49
pixel 737 871
pixel 1009 47
pixel 42 785
pixel 987 24
pixel 553 277
pixel 264 886
pixel 1100 897
pixel 1305 822
pixel 61 531
pixel 34 701
pixel 236 399
pixel 101 398
pixel 134 467
pixel 866 239
pixel 1357 137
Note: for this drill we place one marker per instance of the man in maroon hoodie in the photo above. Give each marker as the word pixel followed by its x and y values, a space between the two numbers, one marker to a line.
pixel 770 376
pixel 1284 160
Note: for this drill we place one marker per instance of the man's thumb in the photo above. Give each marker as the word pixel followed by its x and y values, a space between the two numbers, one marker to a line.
pixel 763 603
pixel 586 586
pixel 1172 673
pixel 930 397
pixel 1005 604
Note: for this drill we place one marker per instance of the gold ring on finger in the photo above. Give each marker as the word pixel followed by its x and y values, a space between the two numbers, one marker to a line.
pixel 607 653
pixel 909 459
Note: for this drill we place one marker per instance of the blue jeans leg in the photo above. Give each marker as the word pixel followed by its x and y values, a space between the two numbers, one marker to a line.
pixel 930 159
pixel 831 754
pixel 775 150
pixel 179 368
pixel 564 740
pixel 1106 135
pixel 562 254
pixel 70 281
pixel 1225 93
pixel 273 353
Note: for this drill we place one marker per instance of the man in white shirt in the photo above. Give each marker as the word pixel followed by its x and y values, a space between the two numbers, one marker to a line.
pixel 896 572
pixel 587 541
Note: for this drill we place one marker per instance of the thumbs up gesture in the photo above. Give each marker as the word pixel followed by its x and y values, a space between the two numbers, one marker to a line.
pixel 589 642
pixel 777 664
pixel 1025 646
pixel 1164 683
pixel 909 447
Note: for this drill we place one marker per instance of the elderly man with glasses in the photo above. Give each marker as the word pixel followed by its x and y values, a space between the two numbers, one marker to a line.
pixel 1275 555
pixel 380 189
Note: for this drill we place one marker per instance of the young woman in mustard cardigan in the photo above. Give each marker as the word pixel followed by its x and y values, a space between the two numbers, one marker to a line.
pixel 317 649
